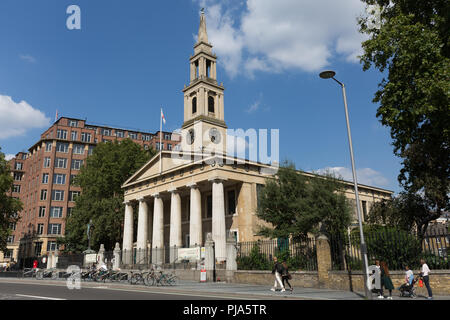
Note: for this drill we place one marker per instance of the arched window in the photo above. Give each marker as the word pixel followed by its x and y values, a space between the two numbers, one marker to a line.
pixel 210 104
pixel 194 105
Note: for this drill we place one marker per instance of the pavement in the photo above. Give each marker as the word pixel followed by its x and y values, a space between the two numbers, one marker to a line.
pixel 197 290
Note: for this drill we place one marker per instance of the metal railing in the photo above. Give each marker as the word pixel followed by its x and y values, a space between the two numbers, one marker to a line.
pixel 258 255
pixel 397 248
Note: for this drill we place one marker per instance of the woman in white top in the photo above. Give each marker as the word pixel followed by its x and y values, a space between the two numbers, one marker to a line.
pixel 424 273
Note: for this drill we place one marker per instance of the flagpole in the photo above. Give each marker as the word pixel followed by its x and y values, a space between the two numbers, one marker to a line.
pixel 160 142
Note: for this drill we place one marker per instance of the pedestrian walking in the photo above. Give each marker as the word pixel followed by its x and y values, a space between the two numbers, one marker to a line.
pixel 277 271
pixel 386 281
pixel 380 291
pixel 286 276
pixel 424 274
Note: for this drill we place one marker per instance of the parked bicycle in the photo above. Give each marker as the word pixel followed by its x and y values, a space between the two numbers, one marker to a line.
pixel 29 272
pixel 46 273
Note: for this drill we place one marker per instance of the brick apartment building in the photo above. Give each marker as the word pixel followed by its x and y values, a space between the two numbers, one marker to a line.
pixel 43 176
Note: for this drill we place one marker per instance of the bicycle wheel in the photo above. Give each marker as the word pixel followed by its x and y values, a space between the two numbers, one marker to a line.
pixel 39 275
pixel 172 281
pixel 135 278
pixel 150 279
pixel 54 275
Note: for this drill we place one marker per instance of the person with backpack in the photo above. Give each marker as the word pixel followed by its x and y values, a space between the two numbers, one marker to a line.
pixel 277 271
pixel 286 276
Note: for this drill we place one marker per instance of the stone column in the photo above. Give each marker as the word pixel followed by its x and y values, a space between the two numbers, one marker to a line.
pixel 158 229
pixel 218 218
pixel 128 234
pixel 49 260
pixel 323 260
pixel 116 264
pixel 142 232
pixel 195 220
pixel 101 254
pixel 175 223
pixel 231 258
pixel 209 257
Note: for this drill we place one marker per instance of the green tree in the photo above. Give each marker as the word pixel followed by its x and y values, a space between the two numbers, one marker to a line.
pixel 412 45
pixel 295 204
pixel 102 198
pixel 9 206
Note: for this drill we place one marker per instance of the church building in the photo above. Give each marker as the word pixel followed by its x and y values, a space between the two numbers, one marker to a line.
pixel 182 195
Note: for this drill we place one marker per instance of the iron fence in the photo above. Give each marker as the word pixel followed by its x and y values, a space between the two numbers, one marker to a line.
pixel 66 260
pixel 148 257
pixel 258 255
pixel 397 248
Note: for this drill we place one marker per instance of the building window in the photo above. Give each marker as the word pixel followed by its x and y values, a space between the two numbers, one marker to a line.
pixel 40 228
pixel 73 123
pixel 18 176
pixel 52 245
pixel 90 150
pixel 56 212
pixel 194 105
pixel 38 248
pixel 211 104
pixel 62 147
pixel 41 212
pixel 61 163
pixel 54 228
pixel 18 166
pixel 47 161
pixel 167 136
pixel 12 226
pixel 132 135
pixel 16 188
pixel 58 195
pixel 119 134
pixel 73 195
pixel 169 146
pixel 72 179
pixel 45 178
pixel 8 254
pixel 59 178
pixel 364 209
pixel 43 194
pixel 10 239
pixel 106 132
pixel 48 147
pixel 85 137
pixel 69 211
pixel 74 135
pixel 231 202
pixel 61 134
pixel 78 149
pixel 76 164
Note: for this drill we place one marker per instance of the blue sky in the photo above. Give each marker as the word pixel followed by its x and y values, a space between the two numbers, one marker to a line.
pixel 132 57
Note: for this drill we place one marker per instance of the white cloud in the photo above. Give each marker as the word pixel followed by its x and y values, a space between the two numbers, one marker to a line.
pixel 28 58
pixel 366 176
pixel 17 118
pixel 275 36
pixel 9 156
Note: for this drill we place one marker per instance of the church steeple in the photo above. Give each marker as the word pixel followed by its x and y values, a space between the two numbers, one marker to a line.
pixel 202 34
pixel 203 97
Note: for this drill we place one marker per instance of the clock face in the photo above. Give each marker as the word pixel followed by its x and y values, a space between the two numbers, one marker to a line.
pixel 190 137
pixel 215 135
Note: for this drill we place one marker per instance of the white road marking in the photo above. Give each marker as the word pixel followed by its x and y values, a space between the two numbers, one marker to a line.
pixel 39 297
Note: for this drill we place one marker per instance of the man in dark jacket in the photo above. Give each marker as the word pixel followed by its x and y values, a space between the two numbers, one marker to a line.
pixel 277 270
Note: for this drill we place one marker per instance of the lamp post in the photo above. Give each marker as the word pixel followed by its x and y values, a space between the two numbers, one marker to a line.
pixel 330 75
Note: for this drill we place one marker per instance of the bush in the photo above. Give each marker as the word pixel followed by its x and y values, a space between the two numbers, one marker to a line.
pixel 254 261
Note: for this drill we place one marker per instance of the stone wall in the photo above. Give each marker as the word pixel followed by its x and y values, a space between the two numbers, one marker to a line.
pixel 343 280
pixel 304 279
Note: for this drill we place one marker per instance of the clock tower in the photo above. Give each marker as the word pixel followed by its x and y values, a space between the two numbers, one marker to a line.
pixel 204 128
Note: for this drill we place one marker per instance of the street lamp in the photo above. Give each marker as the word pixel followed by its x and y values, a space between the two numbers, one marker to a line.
pixel 329 74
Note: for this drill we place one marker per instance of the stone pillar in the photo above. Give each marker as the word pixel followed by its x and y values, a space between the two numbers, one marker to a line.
pixel 218 218
pixel 195 219
pixel 128 234
pixel 116 264
pixel 158 229
pixel 209 257
pixel 175 223
pixel 323 260
pixel 142 232
pixel 49 260
pixel 231 258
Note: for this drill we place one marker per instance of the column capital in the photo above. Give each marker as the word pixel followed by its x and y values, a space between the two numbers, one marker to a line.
pixel 156 195
pixel 217 179
pixel 192 185
pixel 173 190
pixel 127 202
pixel 141 199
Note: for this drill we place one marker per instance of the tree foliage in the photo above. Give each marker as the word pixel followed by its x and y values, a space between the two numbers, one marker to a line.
pixel 295 204
pixel 9 206
pixel 412 45
pixel 102 198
